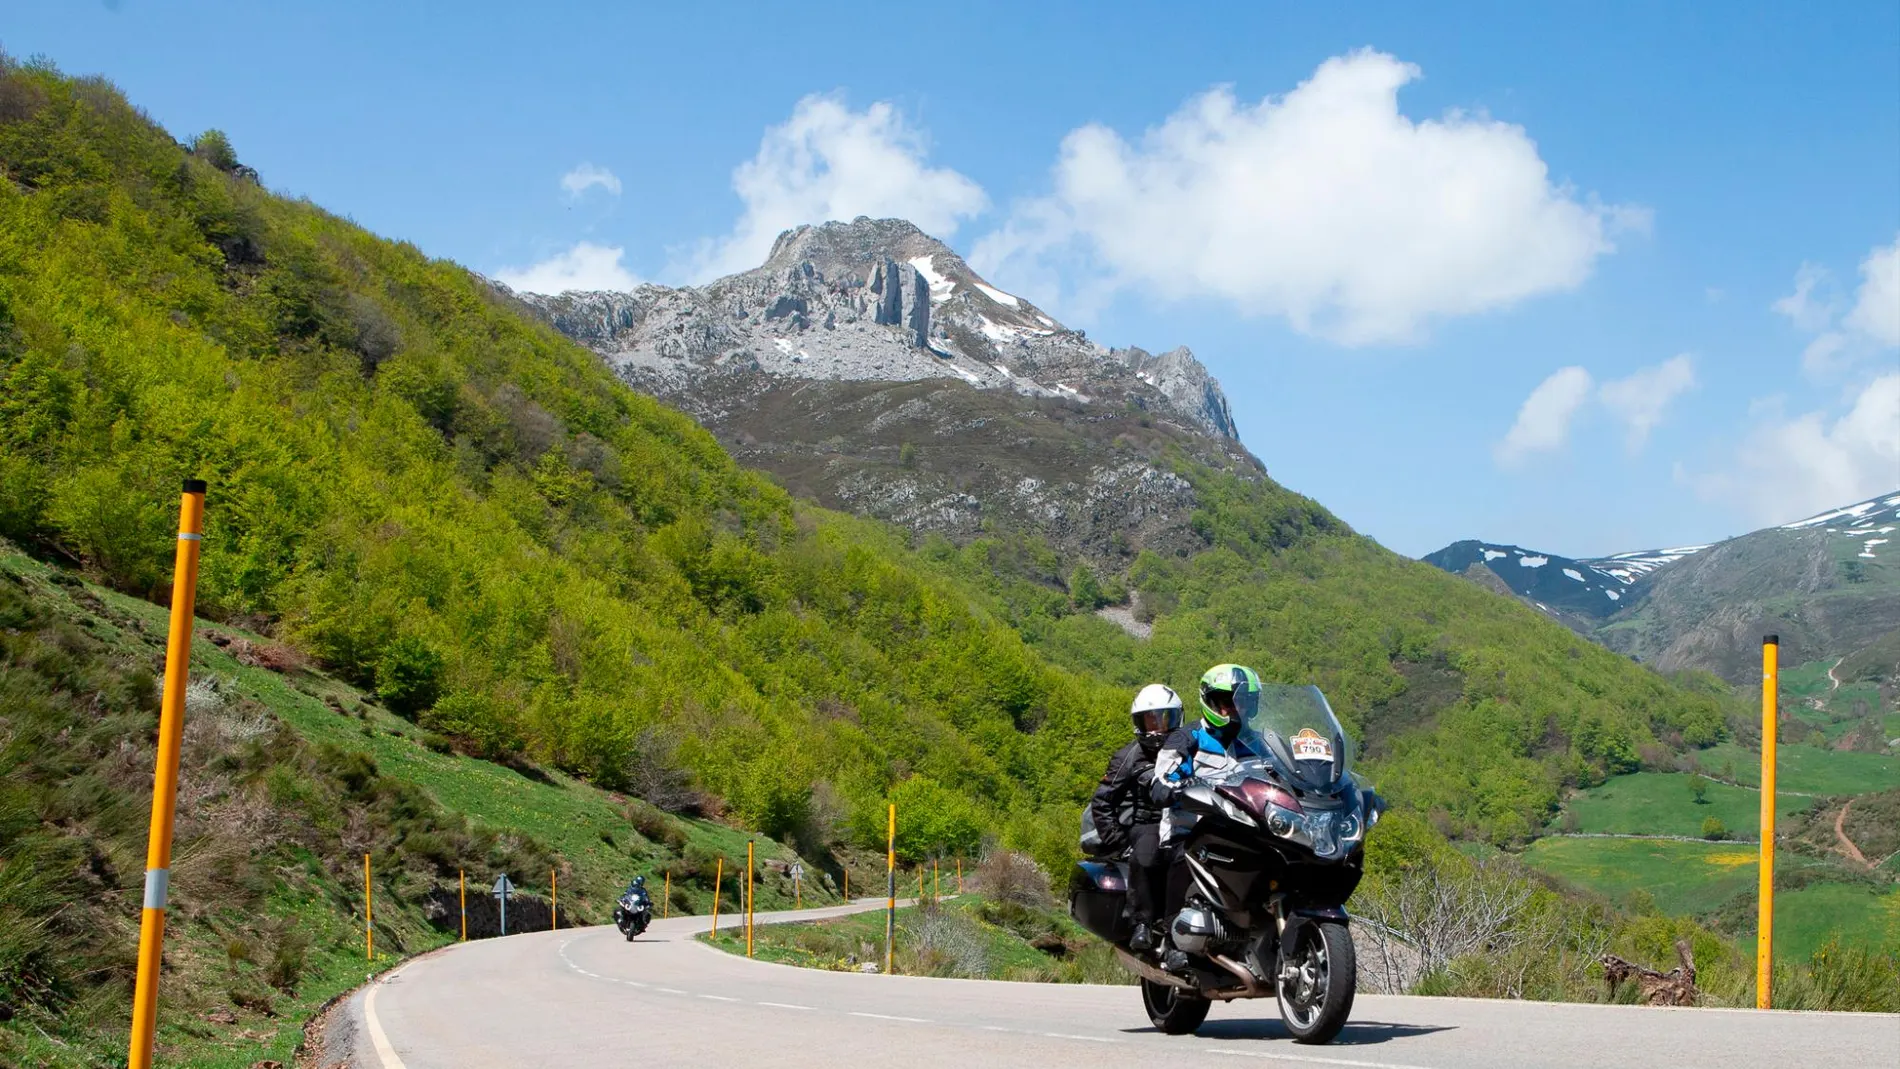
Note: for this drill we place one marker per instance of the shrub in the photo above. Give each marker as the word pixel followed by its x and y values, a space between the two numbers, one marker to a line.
pixel 1009 877
pixel 1713 828
pixel 409 676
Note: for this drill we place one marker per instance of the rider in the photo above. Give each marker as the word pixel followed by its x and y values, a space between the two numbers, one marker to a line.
pixel 1230 694
pixel 1125 812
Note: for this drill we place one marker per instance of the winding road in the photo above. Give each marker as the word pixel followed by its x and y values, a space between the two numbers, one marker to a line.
pixel 586 997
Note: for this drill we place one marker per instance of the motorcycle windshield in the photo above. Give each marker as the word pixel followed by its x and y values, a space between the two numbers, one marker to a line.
pixel 1296 728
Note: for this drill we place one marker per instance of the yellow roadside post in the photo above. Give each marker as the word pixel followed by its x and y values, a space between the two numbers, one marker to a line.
pixel 171 726
pixel 666 898
pixel 369 917
pixel 920 885
pixel 748 898
pixel 959 875
pixel 847 884
pixel 719 874
pixel 936 880
pixel 554 904
pixel 890 882
pixel 1765 922
pixel 461 878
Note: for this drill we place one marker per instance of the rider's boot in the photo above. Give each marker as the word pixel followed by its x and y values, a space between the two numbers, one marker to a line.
pixel 1143 940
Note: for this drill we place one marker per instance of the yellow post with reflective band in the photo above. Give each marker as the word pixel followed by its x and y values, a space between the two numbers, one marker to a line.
pixel 719 874
pixel 369 916
pixel 748 898
pixel 554 903
pixel 1765 920
pixel 462 878
pixel 171 727
pixel 890 881
pixel 666 898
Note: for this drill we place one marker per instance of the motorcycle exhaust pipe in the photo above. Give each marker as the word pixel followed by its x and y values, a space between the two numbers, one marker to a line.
pixel 1241 973
pixel 1222 994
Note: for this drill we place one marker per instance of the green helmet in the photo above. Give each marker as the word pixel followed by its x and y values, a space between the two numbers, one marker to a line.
pixel 1229 692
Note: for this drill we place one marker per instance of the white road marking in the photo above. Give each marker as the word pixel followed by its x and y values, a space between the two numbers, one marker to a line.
pixel 1304 1058
pixel 377 1039
pixel 888 1017
pixel 670 991
pixel 784 1006
pixel 720 998
pixel 1091 1039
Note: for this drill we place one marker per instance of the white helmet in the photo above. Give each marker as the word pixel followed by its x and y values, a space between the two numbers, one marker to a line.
pixel 1156 710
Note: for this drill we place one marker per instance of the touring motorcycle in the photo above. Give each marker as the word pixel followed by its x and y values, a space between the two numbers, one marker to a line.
pixel 634 911
pixel 1277 845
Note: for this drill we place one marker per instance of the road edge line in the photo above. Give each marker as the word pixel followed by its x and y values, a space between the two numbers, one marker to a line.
pixel 378 1041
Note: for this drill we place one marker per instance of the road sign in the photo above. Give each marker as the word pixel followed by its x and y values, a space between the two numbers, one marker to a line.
pixel 798 872
pixel 503 888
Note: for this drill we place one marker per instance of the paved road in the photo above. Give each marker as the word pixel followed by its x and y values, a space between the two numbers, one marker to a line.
pixel 589 998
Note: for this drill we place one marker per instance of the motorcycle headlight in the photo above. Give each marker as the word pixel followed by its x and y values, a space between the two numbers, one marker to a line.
pixel 1286 823
pixel 1349 827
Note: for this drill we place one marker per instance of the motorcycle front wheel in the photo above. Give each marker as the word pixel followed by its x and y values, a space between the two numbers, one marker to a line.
pixel 1316 986
pixel 1174 1012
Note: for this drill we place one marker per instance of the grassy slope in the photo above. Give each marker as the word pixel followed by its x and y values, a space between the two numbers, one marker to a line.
pixel 303 882
pixel 1659 803
pixel 1806 769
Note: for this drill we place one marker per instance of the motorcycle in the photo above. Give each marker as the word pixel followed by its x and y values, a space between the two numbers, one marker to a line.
pixel 1273 847
pixel 634 911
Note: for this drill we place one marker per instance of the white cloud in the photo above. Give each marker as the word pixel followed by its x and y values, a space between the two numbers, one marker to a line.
pixel 828 162
pixel 1876 311
pixel 1839 341
pixel 1790 468
pixel 586 266
pixel 1543 421
pixel 1639 400
pixel 587 176
pixel 1327 206
pixel 1803 307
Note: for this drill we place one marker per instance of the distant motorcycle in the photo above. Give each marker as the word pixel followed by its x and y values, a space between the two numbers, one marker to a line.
pixel 1277 846
pixel 634 911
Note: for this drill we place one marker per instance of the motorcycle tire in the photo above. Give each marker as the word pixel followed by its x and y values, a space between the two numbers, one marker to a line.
pixel 1174 1012
pixel 1315 1004
pixel 632 929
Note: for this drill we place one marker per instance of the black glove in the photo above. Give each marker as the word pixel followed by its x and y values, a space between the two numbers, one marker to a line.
pixel 1160 791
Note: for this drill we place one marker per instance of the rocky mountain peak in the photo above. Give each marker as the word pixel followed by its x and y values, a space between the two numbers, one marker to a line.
pixel 854 248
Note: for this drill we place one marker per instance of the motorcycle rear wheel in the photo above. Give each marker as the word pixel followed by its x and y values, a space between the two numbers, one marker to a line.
pixel 1174 1012
pixel 1316 1002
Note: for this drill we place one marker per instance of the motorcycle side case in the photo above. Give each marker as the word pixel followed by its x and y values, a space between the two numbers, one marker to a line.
pixel 1098 899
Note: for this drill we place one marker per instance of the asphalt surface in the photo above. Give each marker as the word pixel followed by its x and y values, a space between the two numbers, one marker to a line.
pixel 587 997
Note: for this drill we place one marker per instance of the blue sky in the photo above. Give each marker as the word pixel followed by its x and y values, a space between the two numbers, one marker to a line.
pixel 1584 277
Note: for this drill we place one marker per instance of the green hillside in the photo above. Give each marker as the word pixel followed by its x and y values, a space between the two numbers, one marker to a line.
pixel 289 777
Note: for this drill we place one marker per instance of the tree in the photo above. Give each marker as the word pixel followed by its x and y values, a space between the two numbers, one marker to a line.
pixel 1084 589
pixel 1713 828
pixel 214 148
pixel 1699 788
pixel 409 676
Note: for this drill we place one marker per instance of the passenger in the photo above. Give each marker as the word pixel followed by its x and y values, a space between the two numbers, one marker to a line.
pixel 1126 814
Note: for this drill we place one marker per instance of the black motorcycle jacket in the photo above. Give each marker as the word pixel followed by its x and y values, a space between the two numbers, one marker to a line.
pixel 1122 799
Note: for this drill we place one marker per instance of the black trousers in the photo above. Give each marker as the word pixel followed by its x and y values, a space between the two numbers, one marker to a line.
pixel 1147 873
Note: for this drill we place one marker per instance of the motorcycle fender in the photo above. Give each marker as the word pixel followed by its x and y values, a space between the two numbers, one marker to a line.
pixel 1296 921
